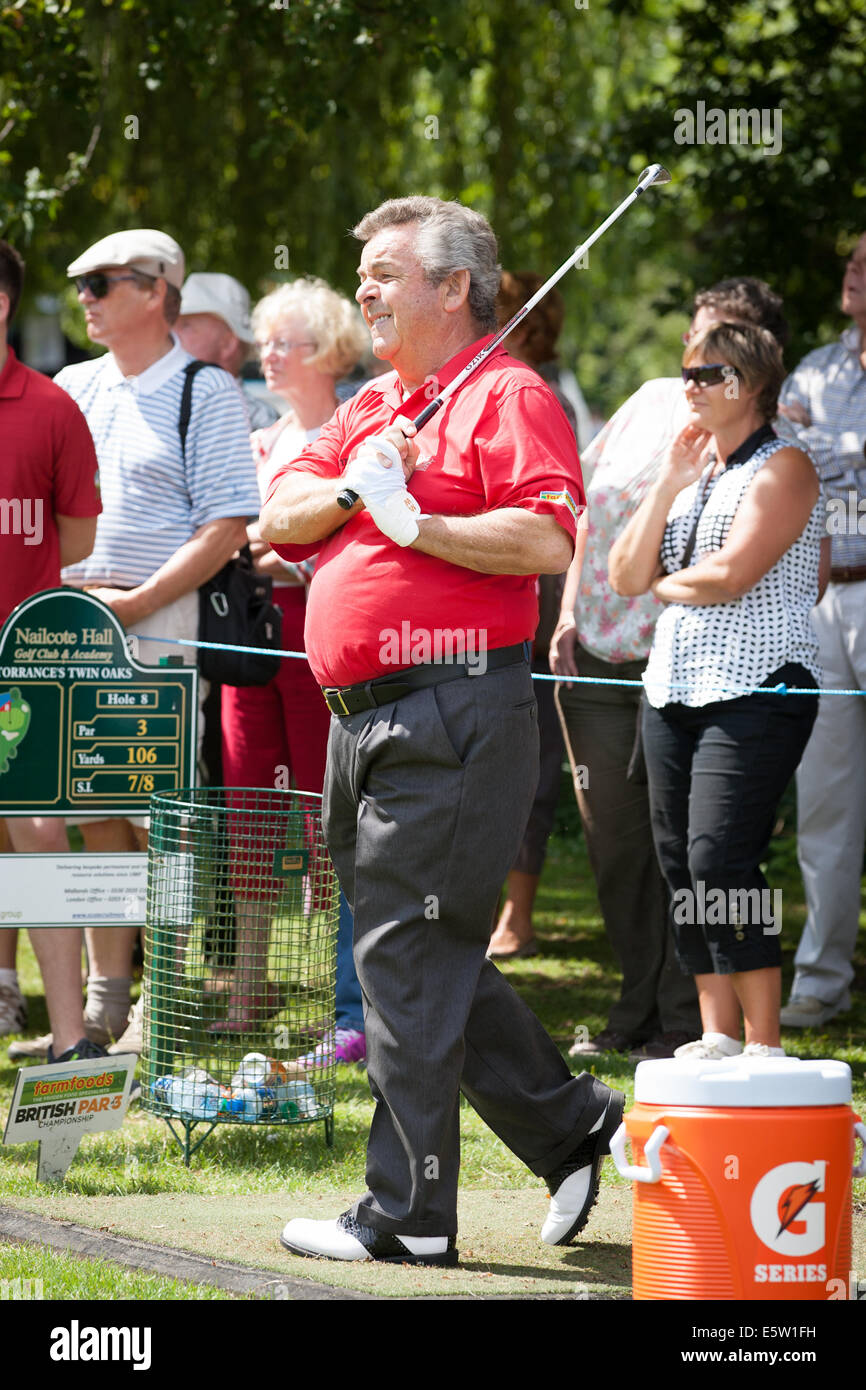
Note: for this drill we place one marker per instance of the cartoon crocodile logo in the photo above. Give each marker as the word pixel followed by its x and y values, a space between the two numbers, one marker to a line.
pixel 14 723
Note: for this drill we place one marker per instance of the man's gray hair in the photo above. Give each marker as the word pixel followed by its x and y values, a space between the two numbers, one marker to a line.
pixel 450 237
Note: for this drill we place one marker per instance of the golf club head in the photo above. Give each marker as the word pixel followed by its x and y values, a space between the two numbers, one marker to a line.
pixel 654 173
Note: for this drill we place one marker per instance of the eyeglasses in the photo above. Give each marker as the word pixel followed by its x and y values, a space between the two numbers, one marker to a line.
pixel 713 374
pixel 282 345
pixel 99 284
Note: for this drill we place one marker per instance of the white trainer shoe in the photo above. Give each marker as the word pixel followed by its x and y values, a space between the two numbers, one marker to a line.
pixel 762 1050
pixel 712 1047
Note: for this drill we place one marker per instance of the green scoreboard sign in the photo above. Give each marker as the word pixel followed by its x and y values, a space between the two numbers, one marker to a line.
pixel 84 726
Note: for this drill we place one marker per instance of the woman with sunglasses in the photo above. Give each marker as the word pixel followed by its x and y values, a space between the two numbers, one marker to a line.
pixel 309 337
pixel 728 538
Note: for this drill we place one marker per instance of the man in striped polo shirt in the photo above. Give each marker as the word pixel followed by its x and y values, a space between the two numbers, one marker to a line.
pixel 172 516
pixel 825 398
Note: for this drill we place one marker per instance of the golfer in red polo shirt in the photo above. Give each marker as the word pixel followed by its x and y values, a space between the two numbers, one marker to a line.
pixel 50 496
pixel 420 616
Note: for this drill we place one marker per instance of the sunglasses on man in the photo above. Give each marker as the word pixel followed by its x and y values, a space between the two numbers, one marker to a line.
pixel 99 284
pixel 713 374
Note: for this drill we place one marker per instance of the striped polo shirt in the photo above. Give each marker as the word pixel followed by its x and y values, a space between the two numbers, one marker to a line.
pixel 153 501
pixel 831 383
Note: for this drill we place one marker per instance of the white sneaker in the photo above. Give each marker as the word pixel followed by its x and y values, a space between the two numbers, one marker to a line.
pixel 712 1047
pixel 805 1011
pixel 762 1050
pixel 13 1010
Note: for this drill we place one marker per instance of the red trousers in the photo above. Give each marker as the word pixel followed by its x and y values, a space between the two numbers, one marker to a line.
pixel 270 734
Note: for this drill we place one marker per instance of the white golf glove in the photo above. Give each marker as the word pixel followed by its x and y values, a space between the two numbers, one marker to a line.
pixel 376 475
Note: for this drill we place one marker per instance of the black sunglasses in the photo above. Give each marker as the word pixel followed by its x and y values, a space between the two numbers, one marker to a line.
pixel 99 284
pixel 712 374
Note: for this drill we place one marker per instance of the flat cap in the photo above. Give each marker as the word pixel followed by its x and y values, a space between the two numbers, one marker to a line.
pixel 153 253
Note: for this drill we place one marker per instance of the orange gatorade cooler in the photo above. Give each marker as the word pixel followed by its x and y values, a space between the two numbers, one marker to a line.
pixel 742 1178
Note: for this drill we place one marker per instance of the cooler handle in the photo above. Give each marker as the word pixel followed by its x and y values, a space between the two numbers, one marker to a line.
pixel 653 1170
pixel 859 1168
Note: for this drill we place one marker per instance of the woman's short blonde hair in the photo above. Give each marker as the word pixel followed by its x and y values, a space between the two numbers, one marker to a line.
pixel 755 353
pixel 333 323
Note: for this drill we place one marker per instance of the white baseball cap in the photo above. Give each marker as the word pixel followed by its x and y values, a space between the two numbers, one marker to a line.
pixel 151 252
pixel 212 293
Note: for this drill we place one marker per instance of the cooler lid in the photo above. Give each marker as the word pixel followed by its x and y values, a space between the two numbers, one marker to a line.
pixel 742 1082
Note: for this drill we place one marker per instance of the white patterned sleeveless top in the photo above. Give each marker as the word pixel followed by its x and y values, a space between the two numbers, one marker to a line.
pixel 720 651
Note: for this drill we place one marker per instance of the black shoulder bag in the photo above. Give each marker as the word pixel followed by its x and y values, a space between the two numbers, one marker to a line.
pixel 235 606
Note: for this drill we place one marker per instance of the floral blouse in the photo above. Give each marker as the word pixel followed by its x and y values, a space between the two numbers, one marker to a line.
pixel 620 464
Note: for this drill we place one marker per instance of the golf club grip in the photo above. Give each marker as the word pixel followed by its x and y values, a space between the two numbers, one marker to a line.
pixel 347 498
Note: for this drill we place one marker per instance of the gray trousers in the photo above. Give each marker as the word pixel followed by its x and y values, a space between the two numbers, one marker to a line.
pixel 599 723
pixel 831 803
pixel 425 803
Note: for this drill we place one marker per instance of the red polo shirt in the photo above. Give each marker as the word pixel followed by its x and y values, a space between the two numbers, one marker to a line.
pixel 47 466
pixel 501 441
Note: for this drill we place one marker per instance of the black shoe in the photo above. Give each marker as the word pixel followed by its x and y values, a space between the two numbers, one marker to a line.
pixel 662 1045
pixel 83 1051
pixel 573 1186
pixel 608 1040
pixel 347 1239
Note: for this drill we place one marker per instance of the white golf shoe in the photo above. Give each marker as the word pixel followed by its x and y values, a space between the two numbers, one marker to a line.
pixel 573 1186
pixel 346 1239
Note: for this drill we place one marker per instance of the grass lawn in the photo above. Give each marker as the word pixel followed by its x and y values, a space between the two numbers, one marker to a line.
pixel 571 984
pixel 54 1275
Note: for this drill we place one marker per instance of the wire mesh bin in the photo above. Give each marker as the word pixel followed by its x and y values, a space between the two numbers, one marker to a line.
pixel 240 961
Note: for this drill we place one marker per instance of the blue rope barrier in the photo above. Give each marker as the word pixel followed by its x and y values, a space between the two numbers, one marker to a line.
pixel 781 689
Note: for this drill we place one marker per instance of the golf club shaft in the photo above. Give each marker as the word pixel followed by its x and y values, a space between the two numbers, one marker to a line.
pixel 347 498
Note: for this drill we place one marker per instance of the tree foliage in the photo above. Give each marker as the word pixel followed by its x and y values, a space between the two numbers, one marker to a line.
pixel 250 125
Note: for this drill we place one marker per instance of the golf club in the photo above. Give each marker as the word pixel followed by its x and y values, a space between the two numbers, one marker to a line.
pixel 655 173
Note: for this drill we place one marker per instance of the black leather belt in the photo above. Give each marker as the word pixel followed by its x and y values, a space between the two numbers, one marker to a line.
pixel 353 699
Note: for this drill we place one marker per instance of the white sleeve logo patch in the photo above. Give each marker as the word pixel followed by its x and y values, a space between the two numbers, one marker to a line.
pixel 564 497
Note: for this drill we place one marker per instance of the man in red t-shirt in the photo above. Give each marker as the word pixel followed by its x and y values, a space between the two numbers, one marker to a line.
pixel 420 618
pixel 49 484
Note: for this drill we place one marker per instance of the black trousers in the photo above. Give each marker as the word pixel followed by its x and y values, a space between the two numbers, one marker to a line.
pixel 600 723
pixel 716 776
